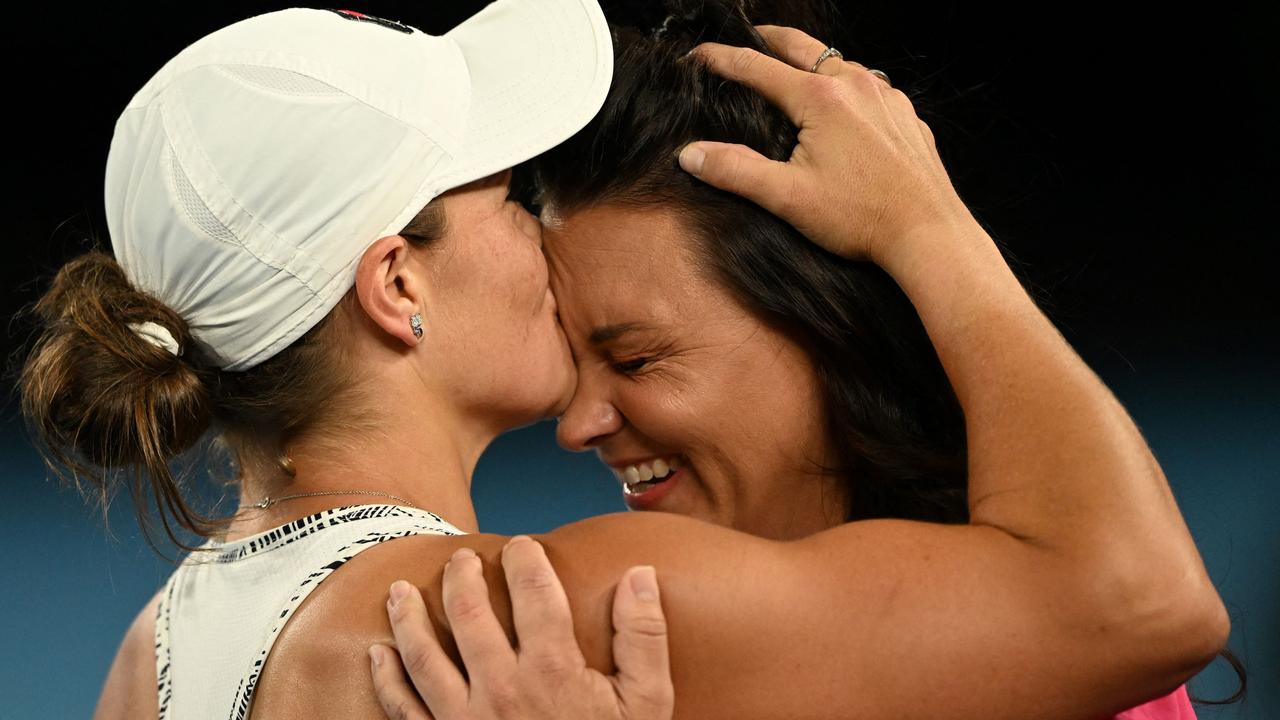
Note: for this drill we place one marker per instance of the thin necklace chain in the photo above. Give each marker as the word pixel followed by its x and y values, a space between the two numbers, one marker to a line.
pixel 269 501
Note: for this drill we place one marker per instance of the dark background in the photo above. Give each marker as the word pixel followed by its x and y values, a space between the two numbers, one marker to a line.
pixel 1125 158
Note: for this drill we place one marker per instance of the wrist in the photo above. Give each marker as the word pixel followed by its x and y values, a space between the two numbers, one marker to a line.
pixel 927 246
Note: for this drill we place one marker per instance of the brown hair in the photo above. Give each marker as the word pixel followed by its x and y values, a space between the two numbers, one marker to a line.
pixel 107 408
pixel 891 414
pixel 891 411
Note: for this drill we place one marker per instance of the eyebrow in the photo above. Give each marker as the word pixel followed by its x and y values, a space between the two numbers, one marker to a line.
pixel 609 333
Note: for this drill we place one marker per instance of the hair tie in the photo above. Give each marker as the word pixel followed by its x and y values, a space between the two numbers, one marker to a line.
pixel 157 335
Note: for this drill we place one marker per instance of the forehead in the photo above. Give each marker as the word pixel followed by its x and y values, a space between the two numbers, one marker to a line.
pixel 613 258
pixel 606 234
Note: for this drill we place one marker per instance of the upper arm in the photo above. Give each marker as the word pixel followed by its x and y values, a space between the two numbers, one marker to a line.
pixel 887 619
pixel 130 688
pixel 878 619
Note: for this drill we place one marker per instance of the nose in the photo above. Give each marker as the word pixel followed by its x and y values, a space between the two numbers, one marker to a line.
pixel 588 421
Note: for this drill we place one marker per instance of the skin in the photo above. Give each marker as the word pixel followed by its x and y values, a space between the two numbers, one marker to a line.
pixel 546 675
pixel 1075 544
pixel 669 364
pixel 493 356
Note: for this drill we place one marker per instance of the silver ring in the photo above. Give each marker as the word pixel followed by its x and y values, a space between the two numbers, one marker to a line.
pixel 880 74
pixel 826 54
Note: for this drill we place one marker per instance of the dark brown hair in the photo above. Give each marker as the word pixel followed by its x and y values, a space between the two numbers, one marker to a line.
pixel 891 413
pixel 109 409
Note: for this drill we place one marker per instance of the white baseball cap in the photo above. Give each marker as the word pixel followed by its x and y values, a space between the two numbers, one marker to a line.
pixel 246 179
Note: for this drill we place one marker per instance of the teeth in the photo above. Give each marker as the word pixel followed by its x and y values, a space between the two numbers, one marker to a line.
pixel 645 472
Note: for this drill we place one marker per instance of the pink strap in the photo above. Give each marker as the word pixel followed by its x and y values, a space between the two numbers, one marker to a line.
pixel 1174 706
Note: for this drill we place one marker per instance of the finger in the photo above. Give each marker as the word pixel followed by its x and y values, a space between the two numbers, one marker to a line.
pixel 739 169
pixel 397 697
pixel 778 82
pixel 484 647
pixel 640 645
pixel 431 671
pixel 540 609
pixel 794 46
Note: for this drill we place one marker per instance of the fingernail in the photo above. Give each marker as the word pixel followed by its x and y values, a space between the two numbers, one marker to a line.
pixel 399 591
pixel 693 51
pixel 517 539
pixel 644 583
pixel 463 554
pixel 692 159
pixel 375 656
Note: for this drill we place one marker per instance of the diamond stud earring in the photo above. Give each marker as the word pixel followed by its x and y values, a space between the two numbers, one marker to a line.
pixel 415 322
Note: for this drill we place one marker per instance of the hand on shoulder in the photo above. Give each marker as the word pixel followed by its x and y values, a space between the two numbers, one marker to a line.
pixel 545 675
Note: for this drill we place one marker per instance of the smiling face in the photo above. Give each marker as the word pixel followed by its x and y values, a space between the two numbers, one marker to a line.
pixel 675 377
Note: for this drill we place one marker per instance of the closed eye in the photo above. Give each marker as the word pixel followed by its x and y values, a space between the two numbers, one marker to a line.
pixel 631 367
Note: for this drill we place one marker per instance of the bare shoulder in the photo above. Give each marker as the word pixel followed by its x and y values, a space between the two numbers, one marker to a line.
pixel 319 664
pixel 130 689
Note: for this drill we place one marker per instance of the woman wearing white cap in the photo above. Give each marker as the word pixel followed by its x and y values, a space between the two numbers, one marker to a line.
pixel 284 274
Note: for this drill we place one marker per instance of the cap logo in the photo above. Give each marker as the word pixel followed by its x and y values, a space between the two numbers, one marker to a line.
pixel 361 17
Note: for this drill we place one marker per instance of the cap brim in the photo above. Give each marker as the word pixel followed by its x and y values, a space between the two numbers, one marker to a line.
pixel 540 70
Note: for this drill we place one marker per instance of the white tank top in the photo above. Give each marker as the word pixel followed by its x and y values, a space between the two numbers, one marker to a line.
pixel 223 608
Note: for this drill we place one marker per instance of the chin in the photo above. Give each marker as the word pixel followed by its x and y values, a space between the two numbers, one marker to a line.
pixel 556 390
pixel 553 380
pixel 562 381
pixel 561 402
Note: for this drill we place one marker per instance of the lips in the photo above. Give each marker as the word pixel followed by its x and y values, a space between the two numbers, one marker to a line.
pixel 644 471
pixel 645 482
pixel 652 495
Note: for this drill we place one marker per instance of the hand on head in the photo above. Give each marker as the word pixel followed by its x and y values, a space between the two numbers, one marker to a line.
pixel 862 152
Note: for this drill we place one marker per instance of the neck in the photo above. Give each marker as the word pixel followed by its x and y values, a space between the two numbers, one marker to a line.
pixel 425 455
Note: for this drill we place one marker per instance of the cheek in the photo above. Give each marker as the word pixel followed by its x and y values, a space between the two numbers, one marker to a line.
pixel 517 277
pixel 760 419
pixel 532 270
pixel 681 413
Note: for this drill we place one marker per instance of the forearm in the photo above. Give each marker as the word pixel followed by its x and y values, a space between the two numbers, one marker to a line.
pixel 1045 437
pixel 1054 459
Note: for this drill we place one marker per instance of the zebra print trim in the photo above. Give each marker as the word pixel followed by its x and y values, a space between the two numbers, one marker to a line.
pixel 250 682
pixel 431 525
pixel 164 684
pixel 302 528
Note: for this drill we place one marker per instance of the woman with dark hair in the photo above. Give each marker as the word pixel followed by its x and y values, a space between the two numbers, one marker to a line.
pixel 792 374
pixel 357 320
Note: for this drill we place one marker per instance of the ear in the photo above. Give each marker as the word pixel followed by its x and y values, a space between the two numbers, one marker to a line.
pixel 390 288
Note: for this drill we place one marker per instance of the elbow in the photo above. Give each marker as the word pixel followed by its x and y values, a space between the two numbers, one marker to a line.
pixel 1197 634
pixel 1207 630
pixel 1172 629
